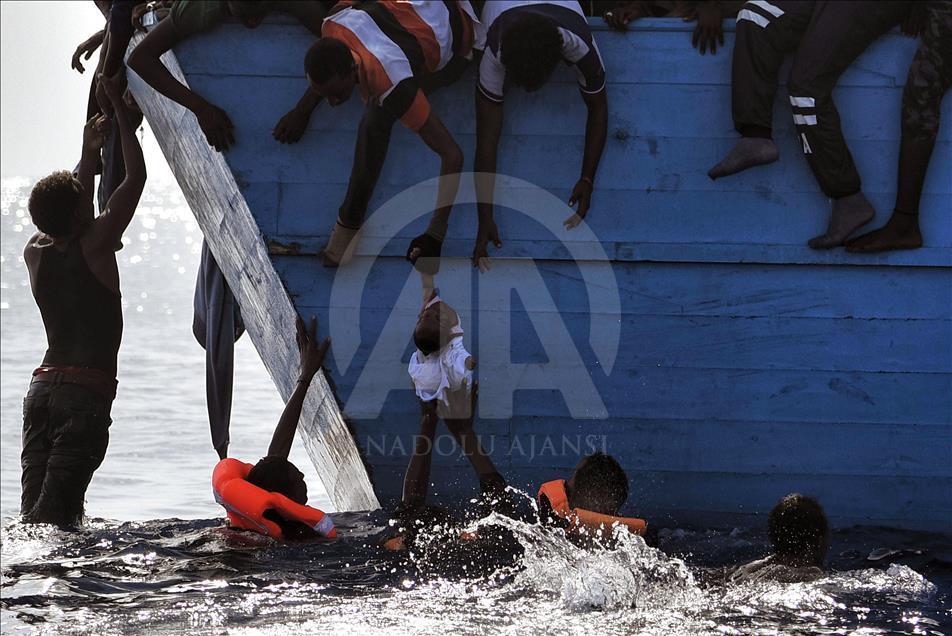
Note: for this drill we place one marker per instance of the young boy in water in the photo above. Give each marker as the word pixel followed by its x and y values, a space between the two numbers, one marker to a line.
pixel 800 537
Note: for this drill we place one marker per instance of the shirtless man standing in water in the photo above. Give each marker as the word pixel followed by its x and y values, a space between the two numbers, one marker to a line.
pixel 75 281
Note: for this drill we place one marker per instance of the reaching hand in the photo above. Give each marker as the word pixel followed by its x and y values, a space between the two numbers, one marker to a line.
pixel 581 194
pixel 95 132
pixel 424 253
pixel 291 127
pixel 217 126
pixel 312 352
pixel 86 50
pixel 619 17
pixel 487 232
pixel 709 30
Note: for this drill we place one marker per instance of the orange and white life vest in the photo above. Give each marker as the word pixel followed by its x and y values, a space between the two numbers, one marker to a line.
pixel 246 504
pixel 554 491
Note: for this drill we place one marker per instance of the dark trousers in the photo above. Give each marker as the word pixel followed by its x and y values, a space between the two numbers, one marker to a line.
pixel 838 32
pixel 373 141
pixel 766 33
pixel 65 434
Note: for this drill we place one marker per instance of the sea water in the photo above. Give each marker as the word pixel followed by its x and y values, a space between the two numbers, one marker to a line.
pixel 155 557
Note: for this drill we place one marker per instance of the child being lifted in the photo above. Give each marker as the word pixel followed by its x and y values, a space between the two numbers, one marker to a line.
pixel 441 362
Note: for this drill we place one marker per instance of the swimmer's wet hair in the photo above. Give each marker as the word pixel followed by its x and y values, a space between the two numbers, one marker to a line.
pixel 599 484
pixel 531 49
pixel 326 59
pixel 274 474
pixel 53 203
pixel 797 527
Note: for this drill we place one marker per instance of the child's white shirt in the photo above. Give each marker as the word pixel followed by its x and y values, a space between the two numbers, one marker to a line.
pixel 443 370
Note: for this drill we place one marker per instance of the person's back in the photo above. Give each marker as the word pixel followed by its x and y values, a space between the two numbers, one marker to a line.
pixel 82 317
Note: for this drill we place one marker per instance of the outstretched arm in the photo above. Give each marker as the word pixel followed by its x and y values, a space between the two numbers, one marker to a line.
pixel 145 61
pixel 417 479
pixel 114 220
pixel 291 126
pixel 596 131
pixel 312 357
pixel 488 130
pixel 94 134
pixel 428 245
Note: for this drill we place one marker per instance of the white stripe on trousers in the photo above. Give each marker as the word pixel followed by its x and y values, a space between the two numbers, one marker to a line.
pixel 803 102
pixel 766 6
pixel 807 150
pixel 804 120
pixel 756 18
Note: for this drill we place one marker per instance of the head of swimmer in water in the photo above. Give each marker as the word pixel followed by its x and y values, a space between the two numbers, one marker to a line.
pixel 277 474
pixel 799 531
pixel 331 70
pixel 599 484
pixel 434 327
pixel 59 205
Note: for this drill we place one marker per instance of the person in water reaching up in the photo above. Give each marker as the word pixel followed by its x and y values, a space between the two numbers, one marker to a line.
pixel 270 497
pixel 800 537
pixel 75 282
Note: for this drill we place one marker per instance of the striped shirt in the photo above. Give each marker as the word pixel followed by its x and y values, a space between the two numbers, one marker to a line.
pixel 396 42
pixel 578 46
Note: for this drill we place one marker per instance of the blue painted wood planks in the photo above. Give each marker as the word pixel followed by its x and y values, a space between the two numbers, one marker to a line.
pixel 747 366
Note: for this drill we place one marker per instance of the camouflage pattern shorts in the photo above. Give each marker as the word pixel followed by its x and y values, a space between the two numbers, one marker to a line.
pixel 930 74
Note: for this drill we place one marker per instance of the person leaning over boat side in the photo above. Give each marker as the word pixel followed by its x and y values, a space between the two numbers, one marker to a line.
pixel 929 78
pixel 522 43
pixel 800 536
pixel 708 33
pixel 396 53
pixel 189 17
pixel 271 496
pixel 75 281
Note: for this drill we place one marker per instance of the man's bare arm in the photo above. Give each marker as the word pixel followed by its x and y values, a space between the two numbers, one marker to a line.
pixel 489 117
pixel 114 220
pixel 312 358
pixel 146 61
pixel 596 131
pixel 427 246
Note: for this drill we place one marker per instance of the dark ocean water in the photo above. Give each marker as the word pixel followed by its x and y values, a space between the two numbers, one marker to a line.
pixel 155 557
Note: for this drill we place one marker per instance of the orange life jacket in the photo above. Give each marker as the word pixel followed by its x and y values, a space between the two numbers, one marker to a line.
pixel 554 491
pixel 246 504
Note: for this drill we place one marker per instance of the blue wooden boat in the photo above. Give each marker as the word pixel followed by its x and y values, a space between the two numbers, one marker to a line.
pixel 688 330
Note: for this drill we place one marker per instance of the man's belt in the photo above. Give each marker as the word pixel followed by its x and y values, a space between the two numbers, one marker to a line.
pixel 95 380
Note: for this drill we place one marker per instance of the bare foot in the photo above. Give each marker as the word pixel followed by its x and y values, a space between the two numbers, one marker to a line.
pixel 747 153
pixel 849 214
pixel 901 232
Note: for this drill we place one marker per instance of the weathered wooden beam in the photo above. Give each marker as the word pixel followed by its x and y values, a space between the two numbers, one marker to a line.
pixel 269 316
